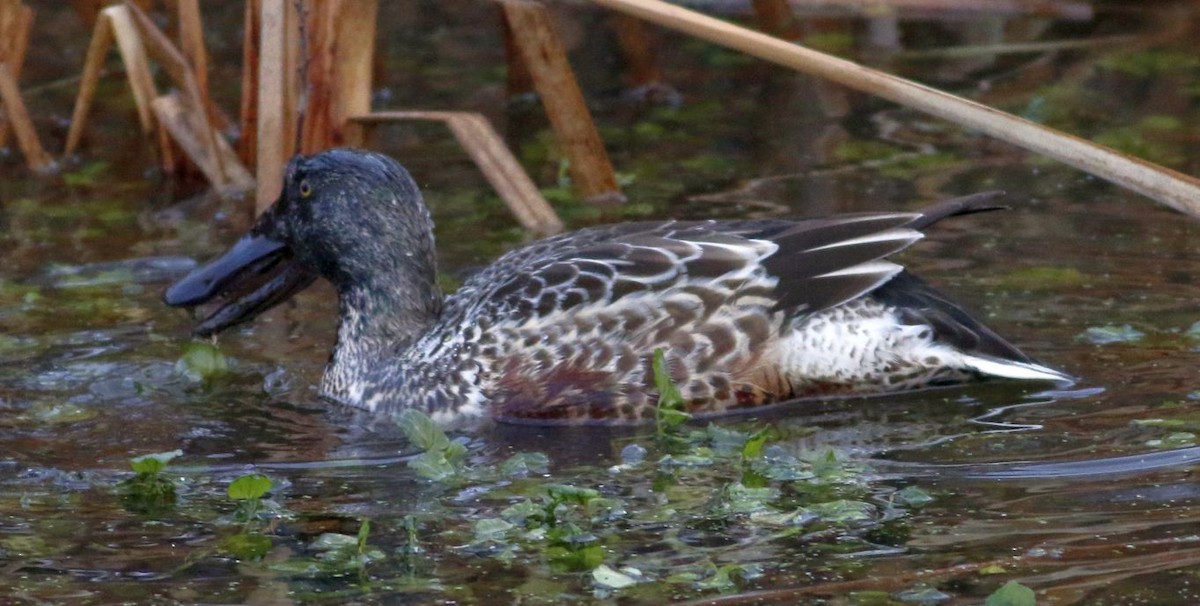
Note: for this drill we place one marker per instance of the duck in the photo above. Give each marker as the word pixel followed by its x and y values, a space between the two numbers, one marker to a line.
pixel 744 313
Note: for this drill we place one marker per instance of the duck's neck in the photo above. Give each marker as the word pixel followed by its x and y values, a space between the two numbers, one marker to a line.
pixel 380 319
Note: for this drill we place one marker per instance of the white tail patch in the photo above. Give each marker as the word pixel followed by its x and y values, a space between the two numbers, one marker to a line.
pixel 1011 369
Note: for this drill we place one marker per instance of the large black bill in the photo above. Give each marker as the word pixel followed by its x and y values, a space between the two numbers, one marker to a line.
pixel 205 282
pixel 283 280
pixel 255 275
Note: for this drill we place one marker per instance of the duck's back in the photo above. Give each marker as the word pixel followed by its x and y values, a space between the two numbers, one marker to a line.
pixel 747 312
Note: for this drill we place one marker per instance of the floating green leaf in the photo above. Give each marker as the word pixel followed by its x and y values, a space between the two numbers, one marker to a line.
pixel 576 559
pixel 923 594
pixel 153 463
pixel 739 498
pixel 518 513
pixel 490 529
pixel 753 447
pixel 334 540
pixel 249 487
pixel 525 463
pixel 433 465
pixel 726 577
pixel 1012 593
pixel 342 553
pixel 563 493
pixel 843 511
pixel 913 496
pixel 202 361
pixel 147 492
pixel 422 431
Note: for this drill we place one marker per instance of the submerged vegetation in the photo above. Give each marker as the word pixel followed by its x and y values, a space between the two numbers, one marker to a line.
pixel 683 514
pixel 259 492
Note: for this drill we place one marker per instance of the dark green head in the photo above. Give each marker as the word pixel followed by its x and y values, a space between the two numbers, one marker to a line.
pixel 352 217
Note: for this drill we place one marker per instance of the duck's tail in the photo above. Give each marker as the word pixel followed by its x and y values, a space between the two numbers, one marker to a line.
pixel 1014 369
pixel 965 205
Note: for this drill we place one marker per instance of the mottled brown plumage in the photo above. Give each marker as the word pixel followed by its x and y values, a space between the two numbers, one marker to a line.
pixel 564 329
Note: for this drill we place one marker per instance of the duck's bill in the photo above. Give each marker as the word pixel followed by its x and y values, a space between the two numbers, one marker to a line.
pixel 255 275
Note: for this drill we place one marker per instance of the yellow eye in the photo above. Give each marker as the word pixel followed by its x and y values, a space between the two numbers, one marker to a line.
pixel 305 189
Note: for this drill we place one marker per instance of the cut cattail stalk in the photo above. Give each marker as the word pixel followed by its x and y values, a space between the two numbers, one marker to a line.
pixel 27 139
pixel 217 161
pixel 277 96
pixel 114 22
pixel 544 56
pixel 16 20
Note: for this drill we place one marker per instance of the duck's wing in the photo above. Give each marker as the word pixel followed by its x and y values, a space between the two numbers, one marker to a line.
pixel 804 266
pixel 825 262
pixel 800 267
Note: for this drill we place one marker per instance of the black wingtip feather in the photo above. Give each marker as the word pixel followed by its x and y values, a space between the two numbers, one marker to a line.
pixel 924 304
pixel 965 205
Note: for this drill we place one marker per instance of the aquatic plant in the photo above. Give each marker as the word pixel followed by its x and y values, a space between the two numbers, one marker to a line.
pixel 148 491
pixel 1012 593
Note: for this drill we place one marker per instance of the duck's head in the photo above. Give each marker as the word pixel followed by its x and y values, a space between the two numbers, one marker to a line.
pixel 354 218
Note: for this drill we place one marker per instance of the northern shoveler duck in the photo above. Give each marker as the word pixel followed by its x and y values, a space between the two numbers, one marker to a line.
pixel 564 329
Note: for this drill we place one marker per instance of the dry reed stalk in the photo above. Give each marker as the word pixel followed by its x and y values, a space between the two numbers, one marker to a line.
pixel 89 10
pixel 543 54
pixel 191 42
pixel 777 18
pixel 16 21
pixel 277 96
pixel 491 155
pixel 247 144
pixel 188 127
pixel 1179 191
pixel 321 41
pixel 352 76
pixel 194 98
pixel 518 80
pixel 638 48
pixel 27 139
pixel 138 39
pixel 114 22
pixel 339 45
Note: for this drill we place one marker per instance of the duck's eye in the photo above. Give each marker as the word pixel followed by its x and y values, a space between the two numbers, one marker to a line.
pixel 305 188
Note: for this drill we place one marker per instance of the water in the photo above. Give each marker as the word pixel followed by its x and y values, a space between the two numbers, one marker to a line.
pixel 1086 495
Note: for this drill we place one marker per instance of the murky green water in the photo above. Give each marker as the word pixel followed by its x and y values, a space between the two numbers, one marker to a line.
pixel 1087 496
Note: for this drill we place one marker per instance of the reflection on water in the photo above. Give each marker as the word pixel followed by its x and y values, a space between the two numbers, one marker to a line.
pixel 1086 494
